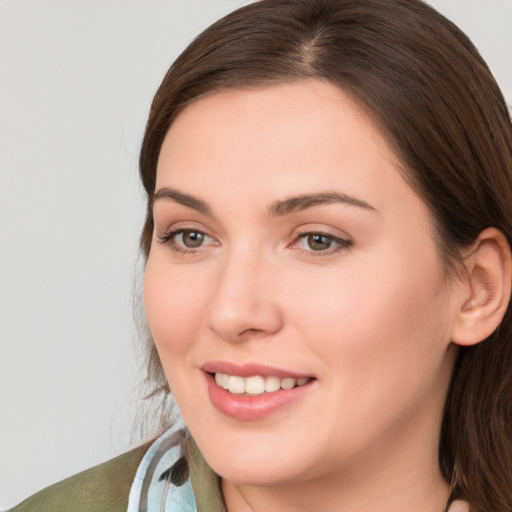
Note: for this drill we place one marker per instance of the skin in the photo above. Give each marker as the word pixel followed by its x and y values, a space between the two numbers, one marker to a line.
pixel 371 321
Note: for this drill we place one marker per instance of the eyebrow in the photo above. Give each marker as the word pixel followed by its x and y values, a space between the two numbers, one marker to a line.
pixel 184 199
pixel 276 209
pixel 302 202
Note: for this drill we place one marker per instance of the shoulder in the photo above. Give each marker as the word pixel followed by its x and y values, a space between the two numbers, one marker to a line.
pixel 103 487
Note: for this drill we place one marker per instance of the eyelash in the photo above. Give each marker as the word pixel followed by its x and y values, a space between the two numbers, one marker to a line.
pixel 169 239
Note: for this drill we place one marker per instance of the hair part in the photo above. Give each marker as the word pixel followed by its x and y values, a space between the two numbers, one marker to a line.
pixel 434 99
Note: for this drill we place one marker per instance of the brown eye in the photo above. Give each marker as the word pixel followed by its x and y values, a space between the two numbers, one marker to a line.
pixel 318 242
pixel 186 240
pixel 321 243
pixel 192 239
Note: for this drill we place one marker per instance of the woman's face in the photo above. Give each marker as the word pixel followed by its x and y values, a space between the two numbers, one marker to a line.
pixel 290 253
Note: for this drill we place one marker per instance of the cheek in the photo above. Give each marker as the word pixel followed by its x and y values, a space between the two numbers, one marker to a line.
pixel 379 336
pixel 174 305
pixel 382 309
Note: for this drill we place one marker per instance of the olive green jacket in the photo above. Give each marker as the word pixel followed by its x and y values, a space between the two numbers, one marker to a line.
pixel 106 487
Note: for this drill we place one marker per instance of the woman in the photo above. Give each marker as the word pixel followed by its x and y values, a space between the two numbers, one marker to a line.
pixel 328 269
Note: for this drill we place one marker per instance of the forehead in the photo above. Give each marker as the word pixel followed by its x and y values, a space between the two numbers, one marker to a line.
pixel 283 140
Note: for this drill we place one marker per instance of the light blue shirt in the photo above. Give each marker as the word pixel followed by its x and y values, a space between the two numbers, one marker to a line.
pixel 152 489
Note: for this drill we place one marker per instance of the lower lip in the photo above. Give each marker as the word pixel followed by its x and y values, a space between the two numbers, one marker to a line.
pixel 255 407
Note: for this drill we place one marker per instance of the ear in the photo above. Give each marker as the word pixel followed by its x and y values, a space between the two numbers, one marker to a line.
pixel 486 289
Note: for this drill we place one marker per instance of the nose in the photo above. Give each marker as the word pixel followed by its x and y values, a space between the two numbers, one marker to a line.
pixel 244 304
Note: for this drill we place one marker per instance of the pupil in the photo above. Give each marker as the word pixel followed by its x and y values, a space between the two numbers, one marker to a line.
pixel 192 239
pixel 318 242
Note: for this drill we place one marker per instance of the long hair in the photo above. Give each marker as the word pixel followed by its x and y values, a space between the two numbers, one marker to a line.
pixel 434 99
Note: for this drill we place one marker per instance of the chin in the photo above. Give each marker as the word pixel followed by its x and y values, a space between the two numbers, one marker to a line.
pixel 258 473
pixel 258 458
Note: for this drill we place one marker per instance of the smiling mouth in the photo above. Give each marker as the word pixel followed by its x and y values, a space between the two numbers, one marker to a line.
pixel 257 384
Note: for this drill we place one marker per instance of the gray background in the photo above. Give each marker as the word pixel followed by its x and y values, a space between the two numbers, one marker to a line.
pixel 76 81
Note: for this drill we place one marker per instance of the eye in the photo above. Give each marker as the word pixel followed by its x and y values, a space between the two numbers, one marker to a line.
pixel 185 240
pixel 318 242
pixel 321 243
pixel 191 239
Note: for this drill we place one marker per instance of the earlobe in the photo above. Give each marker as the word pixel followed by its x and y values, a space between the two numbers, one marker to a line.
pixel 487 289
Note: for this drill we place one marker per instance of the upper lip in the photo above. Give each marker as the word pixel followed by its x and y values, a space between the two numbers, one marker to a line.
pixel 249 370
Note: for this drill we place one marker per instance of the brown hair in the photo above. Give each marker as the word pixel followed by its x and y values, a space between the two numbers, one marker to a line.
pixel 434 98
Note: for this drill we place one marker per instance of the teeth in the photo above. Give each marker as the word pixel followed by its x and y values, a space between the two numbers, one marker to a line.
pixel 272 384
pixel 236 385
pixel 288 383
pixel 257 384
